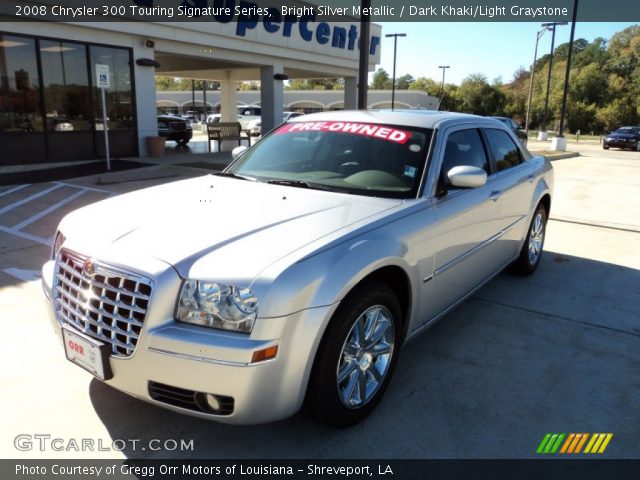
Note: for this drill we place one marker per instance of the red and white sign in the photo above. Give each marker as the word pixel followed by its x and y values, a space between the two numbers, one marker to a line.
pixel 368 129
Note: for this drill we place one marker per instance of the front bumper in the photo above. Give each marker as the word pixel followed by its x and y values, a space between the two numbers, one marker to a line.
pixel 619 143
pixel 216 362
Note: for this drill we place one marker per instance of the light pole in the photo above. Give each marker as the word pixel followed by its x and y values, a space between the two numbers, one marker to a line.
pixel 395 47
pixel 363 64
pixel 553 26
pixel 559 143
pixel 533 73
pixel 444 69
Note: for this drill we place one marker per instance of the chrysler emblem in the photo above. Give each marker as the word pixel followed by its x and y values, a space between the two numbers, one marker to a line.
pixel 89 268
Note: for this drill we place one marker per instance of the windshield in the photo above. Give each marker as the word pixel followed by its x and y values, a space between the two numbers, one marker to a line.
pixel 360 158
pixel 628 130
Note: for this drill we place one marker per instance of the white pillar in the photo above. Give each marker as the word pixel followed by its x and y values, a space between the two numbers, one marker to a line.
pixel 271 96
pixel 146 111
pixel 350 93
pixel 228 101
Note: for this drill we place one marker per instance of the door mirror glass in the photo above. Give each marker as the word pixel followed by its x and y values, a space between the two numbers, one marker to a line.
pixel 466 176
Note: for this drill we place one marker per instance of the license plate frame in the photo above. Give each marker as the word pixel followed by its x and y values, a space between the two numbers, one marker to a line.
pixel 87 353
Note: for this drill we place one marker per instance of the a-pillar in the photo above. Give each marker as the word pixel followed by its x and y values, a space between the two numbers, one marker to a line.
pixel 271 96
pixel 350 93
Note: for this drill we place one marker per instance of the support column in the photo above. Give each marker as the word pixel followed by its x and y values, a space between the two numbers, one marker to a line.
pixel 271 97
pixel 145 82
pixel 228 109
pixel 350 93
pixel 228 101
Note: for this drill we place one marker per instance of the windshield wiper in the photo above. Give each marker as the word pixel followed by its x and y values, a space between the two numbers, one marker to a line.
pixel 234 175
pixel 299 184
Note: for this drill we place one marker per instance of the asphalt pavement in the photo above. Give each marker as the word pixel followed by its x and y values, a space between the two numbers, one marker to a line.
pixel 555 352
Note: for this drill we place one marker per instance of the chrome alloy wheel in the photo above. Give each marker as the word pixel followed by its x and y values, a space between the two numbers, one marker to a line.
pixel 536 238
pixel 365 357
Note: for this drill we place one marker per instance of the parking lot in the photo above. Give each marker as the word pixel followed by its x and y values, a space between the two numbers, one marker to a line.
pixel 555 352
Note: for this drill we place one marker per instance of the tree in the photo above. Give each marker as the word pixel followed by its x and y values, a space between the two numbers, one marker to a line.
pixel 404 82
pixel 475 95
pixel 381 80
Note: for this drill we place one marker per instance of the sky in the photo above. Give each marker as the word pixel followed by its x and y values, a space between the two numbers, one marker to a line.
pixel 493 49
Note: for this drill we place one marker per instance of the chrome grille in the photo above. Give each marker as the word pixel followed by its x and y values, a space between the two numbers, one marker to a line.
pixel 109 304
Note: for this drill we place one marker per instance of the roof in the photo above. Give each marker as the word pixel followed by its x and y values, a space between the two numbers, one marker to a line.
pixel 414 118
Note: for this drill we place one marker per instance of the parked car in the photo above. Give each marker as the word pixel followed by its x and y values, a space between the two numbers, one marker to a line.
pixel 626 138
pixel 515 127
pixel 297 273
pixel 175 128
pixel 255 126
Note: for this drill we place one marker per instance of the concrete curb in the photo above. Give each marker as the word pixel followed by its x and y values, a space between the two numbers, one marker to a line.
pixel 556 156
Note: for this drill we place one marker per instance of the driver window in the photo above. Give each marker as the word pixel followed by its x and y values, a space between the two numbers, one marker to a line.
pixel 464 147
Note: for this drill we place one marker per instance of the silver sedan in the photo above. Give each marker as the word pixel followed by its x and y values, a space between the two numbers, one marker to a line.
pixel 297 273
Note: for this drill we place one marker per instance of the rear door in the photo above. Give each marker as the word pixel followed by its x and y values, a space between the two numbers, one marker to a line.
pixel 513 185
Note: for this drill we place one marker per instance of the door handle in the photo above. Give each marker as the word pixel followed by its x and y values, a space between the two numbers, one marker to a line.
pixel 495 195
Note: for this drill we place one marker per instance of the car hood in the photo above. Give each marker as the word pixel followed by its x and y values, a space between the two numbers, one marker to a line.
pixel 234 227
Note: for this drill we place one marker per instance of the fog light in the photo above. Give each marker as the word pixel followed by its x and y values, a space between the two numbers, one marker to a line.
pixel 212 402
pixel 265 354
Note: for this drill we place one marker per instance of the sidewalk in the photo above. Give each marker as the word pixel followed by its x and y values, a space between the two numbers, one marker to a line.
pixel 178 163
pixel 537 147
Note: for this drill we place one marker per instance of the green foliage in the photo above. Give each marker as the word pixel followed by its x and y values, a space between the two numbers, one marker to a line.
pixel 381 80
pixel 164 84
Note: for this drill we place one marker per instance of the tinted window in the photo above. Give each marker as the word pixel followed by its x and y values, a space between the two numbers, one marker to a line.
pixel 19 86
pixel 66 86
pixel 505 152
pixel 464 147
pixel 119 98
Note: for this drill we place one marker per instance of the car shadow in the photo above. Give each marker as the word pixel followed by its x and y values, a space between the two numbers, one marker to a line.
pixel 554 352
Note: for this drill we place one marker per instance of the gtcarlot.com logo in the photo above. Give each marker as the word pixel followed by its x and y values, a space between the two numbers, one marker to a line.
pixel 574 443
pixel 44 442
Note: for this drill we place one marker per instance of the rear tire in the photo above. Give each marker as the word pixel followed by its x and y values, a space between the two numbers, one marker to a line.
pixel 531 252
pixel 356 357
pixel 605 147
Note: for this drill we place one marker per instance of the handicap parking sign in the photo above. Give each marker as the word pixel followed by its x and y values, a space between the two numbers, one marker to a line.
pixel 102 76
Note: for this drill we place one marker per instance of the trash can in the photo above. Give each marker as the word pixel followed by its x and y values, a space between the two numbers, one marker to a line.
pixel 155 145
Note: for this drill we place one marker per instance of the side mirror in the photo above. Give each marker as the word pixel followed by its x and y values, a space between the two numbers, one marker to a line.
pixel 466 176
pixel 236 152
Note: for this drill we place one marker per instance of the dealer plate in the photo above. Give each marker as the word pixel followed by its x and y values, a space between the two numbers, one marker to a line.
pixel 88 353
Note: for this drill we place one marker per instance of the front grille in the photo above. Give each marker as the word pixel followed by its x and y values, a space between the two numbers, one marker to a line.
pixel 189 399
pixel 109 305
pixel 178 126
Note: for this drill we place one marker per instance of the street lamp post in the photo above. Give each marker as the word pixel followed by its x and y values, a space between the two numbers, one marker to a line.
pixel 559 143
pixel 553 26
pixel 395 47
pixel 444 69
pixel 533 74
pixel 363 64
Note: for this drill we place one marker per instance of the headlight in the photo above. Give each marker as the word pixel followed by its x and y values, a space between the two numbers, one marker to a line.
pixel 217 305
pixel 57 244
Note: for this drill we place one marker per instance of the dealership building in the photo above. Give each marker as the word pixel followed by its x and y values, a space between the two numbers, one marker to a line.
pixel 307 101
pixel 50 103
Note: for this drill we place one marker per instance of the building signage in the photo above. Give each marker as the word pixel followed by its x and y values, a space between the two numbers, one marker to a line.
pixel 249 17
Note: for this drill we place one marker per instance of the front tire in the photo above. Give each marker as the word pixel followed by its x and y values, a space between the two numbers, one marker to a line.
pixel 531 252
pixel 356 357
